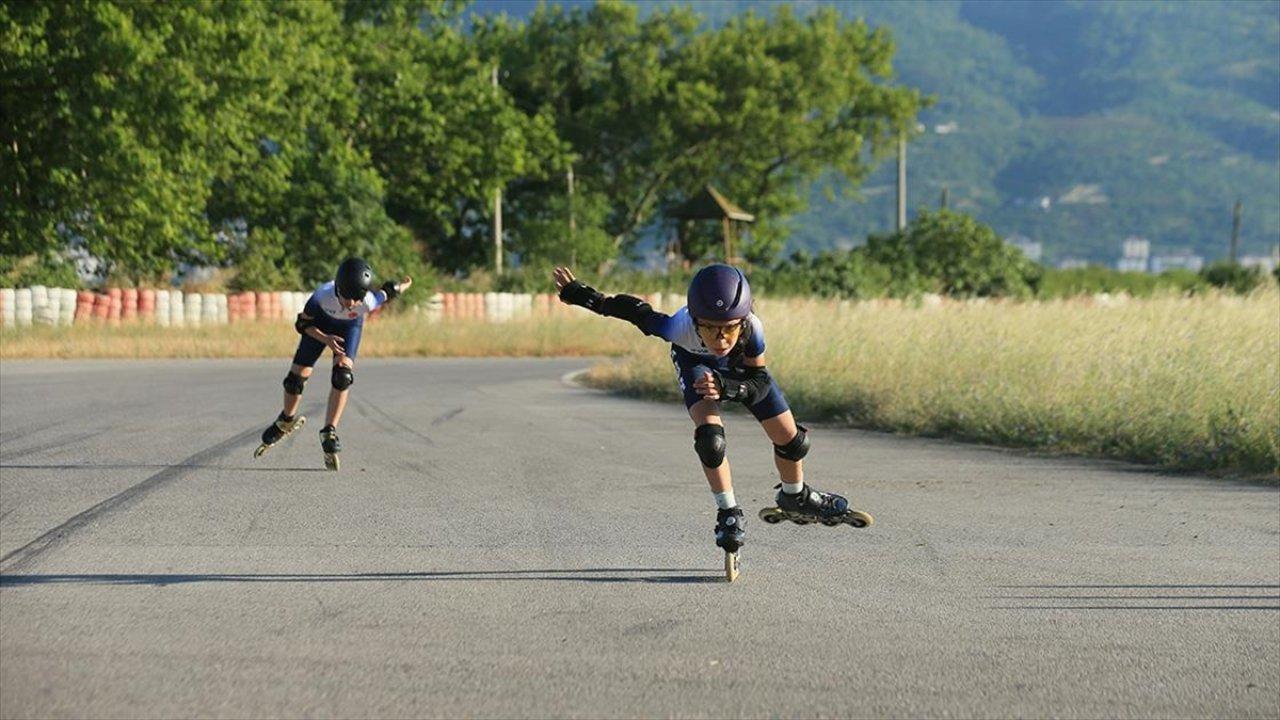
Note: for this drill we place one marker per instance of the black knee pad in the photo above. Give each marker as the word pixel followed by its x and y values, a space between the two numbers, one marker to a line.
pixel 797 448
pixel 293 383
pixel 709 442
pixel 342 377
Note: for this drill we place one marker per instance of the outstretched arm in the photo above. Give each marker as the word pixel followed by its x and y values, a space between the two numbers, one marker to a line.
pixel 390 290
pixel 625 307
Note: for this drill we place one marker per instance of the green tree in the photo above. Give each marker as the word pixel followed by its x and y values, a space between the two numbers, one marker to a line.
pixel 155 134
pixel 957 254
pixel 653 109
pixel 440 135
pixel 105 130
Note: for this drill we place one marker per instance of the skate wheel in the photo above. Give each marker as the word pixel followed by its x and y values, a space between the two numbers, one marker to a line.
pixel 331 461
pixel 770 515
pixel 262 449
pixel 732 566
pixel 859 519
pixel 831 523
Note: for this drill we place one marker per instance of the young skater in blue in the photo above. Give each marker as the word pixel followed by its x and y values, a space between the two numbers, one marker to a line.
pixel 717 346
pixel 333 318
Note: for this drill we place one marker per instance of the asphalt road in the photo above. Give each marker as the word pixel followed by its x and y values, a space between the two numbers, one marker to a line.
pixel 502 543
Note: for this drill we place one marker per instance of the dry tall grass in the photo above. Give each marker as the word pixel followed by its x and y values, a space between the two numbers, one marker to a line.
pixel 404 335
pixel 1181 382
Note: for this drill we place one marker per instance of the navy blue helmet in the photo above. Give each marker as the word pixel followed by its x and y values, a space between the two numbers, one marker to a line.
pixel 719 292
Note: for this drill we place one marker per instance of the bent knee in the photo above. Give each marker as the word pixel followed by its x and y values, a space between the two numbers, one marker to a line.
pixel 710 444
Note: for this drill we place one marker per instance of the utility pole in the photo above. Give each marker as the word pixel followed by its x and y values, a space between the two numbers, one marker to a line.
pixel 497 205
pixel 1235 232
pixel 902 180
pixel 946 198
pixel 573 223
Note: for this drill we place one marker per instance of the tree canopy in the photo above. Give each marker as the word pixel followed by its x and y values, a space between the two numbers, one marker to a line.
pixel 279 137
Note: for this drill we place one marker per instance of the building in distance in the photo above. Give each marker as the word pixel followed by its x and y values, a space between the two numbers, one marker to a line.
pixel 1032 249
pixel 1184 260
pixel 1135 254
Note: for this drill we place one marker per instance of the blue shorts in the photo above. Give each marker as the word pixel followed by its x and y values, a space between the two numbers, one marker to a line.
pixel 310 349
pixel 689 367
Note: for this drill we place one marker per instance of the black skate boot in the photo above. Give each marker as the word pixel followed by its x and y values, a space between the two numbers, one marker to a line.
pixel 811 505
pixel 730 529
pixel 277 431
pixel 329 443
pixel 730 536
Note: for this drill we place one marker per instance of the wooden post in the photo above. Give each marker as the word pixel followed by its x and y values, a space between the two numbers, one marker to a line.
pixel 677 255
pixel 573 223
pixel 727 229
pixel 1235 232
pixel 902 181
pixel 946 198
pixel 497 205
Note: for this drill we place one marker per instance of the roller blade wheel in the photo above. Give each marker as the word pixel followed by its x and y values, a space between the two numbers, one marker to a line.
pixel 331 461
pixel 264 447
pixel 855 518
pixel 732 565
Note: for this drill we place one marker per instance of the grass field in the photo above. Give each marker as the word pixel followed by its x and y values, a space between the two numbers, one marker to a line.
pixel 1181 382
pixel 1190 383
pixel 406 335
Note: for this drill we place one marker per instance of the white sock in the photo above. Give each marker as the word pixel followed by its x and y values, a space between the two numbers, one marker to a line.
pixel 725 500
pixel 792 488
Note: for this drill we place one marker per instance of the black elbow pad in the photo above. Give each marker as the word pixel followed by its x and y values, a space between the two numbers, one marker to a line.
pixel 392 292
pixel 625 307
pixel 302 323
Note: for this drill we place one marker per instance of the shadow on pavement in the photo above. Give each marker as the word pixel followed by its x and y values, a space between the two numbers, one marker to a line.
pixel 1136 607
pixel 1259 586
pixel 1124 597
pixel 594 575
pixel 86 466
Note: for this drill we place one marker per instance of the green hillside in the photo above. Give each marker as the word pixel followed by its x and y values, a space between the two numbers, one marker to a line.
pixel 1146 118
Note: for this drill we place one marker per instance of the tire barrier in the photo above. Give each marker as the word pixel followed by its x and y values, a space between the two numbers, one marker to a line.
pixel 7 315
pixel 162 307
pixel 191 308
pixel 22 307
pixel 70 305
pixel 177 302
pixel 40 305
pixel 128 304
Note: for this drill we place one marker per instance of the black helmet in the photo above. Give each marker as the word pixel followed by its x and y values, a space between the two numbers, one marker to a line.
pixel 353 279
pixel 719 292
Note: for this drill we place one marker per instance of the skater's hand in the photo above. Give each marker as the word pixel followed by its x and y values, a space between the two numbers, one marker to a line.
pixel 334 343
pixel 563 276
pixel 707 387
pixel 405 283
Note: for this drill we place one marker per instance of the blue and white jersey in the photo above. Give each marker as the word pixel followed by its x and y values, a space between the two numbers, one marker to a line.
pixel 325 306
pixel 679 330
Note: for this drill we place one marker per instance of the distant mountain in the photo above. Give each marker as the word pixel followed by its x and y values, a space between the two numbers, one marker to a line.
pixel 1073 123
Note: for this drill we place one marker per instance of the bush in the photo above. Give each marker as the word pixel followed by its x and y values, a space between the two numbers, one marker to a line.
pixel 265 263
pixel 956 254
pixel 843 274
pixel 49 269
pixel 1233 276
pixel 1098 279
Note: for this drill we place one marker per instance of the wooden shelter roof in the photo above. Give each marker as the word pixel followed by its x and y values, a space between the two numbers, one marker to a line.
pixel 710 205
